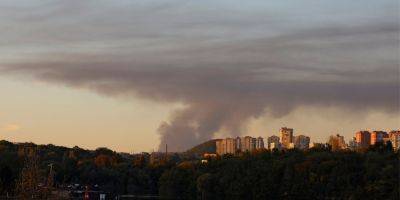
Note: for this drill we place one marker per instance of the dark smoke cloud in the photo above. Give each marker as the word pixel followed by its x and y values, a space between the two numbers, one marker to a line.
pixel 221 82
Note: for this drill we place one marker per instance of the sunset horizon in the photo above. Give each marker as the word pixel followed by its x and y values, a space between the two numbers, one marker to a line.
pixel 183 73
pixel 211 99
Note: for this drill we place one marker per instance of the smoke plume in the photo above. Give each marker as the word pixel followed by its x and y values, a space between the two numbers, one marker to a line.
pixel 221 79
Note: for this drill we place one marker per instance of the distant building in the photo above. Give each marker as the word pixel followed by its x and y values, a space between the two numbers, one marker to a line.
pixel 290 146
pixel 253 144
pixel 209 155
pixel 238 143
pixel 378 136
pixel 227 145
pixel 318 145
pixel 363 139
pixel 230 145
pixel 286 136
pixel 243 144
pixel 395 139
pixel 260 143
pixel 301 142
pixel 337 142
pixel 273 142
pixel 220 146
pixel 248 144
pixel 275 146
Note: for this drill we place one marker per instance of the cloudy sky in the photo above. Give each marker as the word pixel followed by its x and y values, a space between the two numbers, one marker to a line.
pixel 136 75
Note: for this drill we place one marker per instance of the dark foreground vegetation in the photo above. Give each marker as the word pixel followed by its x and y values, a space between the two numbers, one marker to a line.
pixel 314 174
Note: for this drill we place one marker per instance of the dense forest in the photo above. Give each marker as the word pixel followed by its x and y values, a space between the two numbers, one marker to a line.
pixel 318 173
pixel 313 174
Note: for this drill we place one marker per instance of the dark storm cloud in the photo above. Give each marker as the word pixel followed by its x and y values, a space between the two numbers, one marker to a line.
pixel 224 69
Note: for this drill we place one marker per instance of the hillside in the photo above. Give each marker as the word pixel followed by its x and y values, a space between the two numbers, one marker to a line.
pixel 206 147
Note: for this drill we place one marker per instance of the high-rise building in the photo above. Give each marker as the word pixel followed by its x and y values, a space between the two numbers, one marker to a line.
pixel 243 144
pixel 246 143
pixel 220 146
pixel 230 145
pixel 275 146
pixel 363 139
pixel 227 145
pixel 286 136
pixel 260 143
pixel 238 143
pixel 302 142
pixel 395 139
pixel 253 144
pixel 377 136
pixel 273 142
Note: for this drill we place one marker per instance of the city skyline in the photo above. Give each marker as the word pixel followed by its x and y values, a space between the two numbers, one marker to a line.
pixel 373 137
pixel 361 140
pixel 134 75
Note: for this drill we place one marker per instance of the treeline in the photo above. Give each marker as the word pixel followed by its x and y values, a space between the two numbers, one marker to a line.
pixel 114 173
pixel 318 173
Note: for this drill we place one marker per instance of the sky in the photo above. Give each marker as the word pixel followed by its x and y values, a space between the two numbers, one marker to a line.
pixel 136 75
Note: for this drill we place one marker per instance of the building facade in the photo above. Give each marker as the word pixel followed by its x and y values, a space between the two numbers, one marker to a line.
pixel 363 139
pixel 242 144
pixel 238 143
pixel 245 143
pixel 248 144
pixel 220 146
pixel 225 146
pixel 273 142
pixel 302 142
pixel 394 137
pixel 259 143
pixel 378 136
pixel 286 136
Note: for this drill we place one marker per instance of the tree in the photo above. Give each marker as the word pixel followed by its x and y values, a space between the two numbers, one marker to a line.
pixel 334 143
pixel 205 186
pixel 6 178
pixel 28 182
pixel 178 183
